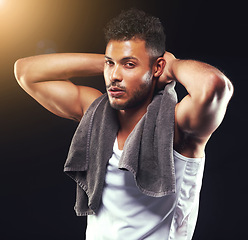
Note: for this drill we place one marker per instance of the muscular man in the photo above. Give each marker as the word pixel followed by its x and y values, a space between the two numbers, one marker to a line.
pixel 136 68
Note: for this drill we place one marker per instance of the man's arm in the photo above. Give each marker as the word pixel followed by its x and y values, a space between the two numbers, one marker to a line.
pixel 46 79
pixel 201 111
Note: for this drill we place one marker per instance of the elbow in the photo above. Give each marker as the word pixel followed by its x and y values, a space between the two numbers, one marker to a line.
pixel 223 87
pixel 22 73
pixel 19 71
pixel 219 87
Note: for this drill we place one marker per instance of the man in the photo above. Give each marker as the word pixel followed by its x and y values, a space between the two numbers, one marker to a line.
pixel 135 67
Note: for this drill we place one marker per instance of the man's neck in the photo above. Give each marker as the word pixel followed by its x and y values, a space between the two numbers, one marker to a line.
pixel 128 120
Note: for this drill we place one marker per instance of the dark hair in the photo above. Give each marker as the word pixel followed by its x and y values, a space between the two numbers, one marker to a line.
pixel 135 23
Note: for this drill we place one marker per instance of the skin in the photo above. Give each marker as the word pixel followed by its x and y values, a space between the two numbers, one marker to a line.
pixel 130 83
pixel 127 65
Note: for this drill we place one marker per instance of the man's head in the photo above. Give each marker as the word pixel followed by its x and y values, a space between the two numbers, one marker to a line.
pixel 133 58
pixel 135 23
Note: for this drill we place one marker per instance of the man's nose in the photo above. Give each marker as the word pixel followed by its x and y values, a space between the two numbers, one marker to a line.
pixel 116 75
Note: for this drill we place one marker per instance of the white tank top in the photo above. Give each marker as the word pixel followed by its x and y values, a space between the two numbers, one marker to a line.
pixel 126 213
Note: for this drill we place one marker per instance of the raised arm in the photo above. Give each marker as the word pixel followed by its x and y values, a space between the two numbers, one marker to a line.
pixel 46 79
pixel 201 111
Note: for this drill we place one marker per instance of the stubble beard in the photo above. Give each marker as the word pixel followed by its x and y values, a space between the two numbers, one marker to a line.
pixel 139 96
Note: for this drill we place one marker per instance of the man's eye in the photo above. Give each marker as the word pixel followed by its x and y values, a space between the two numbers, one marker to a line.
pixel 130 65
pixel 108 62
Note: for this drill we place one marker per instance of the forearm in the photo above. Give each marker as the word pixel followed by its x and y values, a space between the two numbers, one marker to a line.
pixel 61 66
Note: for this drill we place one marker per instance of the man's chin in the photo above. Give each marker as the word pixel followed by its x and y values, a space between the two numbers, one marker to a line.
pixel 124 105
pixel 117 106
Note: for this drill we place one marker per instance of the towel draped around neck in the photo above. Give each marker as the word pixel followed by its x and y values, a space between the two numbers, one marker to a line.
pixel 147 153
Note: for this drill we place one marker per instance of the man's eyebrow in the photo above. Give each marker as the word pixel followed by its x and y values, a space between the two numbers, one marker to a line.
pixel 123 59
pixel 129 58
pixel 108 57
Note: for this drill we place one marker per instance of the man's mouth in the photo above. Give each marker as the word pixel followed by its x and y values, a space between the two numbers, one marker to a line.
pixel 116 92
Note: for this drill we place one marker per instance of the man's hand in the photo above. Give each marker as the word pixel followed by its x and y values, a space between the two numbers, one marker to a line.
pixel 167 75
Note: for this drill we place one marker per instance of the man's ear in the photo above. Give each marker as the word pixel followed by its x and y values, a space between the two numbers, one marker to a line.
pixel 159 67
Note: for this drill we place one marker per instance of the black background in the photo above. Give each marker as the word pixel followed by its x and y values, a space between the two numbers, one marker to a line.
pixel 36 197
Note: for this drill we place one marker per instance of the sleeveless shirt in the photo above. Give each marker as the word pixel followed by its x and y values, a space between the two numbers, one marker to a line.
pixel 127 213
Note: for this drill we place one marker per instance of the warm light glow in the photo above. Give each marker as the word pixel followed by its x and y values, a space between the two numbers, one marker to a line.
pixel 2 2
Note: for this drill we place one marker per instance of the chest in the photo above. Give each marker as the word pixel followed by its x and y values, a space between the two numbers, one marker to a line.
pixel 121 139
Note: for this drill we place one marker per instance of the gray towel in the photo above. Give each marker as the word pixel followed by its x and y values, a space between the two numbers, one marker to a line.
pixel 148 150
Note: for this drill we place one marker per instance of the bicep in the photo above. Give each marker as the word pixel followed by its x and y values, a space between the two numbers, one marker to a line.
pixel 200 119
pixel 63 98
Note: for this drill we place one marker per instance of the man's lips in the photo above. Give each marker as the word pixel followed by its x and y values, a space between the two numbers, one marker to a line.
pixel 116 92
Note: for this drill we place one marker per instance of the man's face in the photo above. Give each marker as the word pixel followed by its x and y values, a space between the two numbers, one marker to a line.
pixel 128 75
